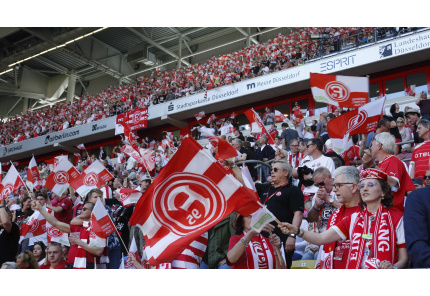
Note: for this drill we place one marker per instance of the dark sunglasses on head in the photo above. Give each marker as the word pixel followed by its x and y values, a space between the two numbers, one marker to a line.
pixel 426 177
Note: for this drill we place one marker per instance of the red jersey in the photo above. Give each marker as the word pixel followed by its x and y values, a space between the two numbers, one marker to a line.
pixel 342 248
pixel 395 168
pixel 351 154
pixel 420 156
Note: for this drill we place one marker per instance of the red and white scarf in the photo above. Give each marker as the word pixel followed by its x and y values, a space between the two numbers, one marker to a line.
pixel 260 254
pixel 383 239
pixel 299 157
pixel 80 262
pixel 325 256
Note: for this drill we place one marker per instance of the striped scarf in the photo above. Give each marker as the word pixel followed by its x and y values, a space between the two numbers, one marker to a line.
pixel 260 254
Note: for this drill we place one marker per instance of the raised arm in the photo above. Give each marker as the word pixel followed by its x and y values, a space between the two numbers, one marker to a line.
pixel 64 227
pixel 326 237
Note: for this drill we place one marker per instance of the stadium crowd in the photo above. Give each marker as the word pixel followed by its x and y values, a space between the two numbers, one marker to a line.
pixel 319 196
pixel 282 52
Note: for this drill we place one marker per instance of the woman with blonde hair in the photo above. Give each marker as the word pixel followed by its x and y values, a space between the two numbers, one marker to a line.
pixel 27 260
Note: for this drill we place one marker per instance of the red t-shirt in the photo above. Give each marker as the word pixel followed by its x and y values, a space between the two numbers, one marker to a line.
pixel 421 155
pixel 46 265
pixel 84 235
pixel 343 247
pixel 65 215
pixel 395 168
pixel 349 154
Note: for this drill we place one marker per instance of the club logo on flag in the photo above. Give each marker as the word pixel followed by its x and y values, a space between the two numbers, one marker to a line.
pixel 357 120
pixel 185 208
pixel 54 232
pixel 61 177
pixel 337 91
pixel 34 222
pixel 91 179
pixel 7 190
pixel 257 120
pixel 136 117
pixel 124 196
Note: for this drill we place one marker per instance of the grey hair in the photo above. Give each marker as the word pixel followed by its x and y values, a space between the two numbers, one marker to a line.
pixel 387 140
pixel 350 173
pixel 424 122
pixel 238 142
pixel 286 166
pixel 10 265
pixel 321 171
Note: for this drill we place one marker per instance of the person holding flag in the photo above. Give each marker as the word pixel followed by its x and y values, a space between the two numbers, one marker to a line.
pixel 81 254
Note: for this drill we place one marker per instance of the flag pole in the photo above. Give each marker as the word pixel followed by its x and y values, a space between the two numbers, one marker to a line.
pixel 277 251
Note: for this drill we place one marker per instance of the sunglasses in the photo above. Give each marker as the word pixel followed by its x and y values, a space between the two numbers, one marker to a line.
pixel 275 170
pixel 370 185
pixel 426 177
pixel 307 146
pixel 85 209
pixel 320 184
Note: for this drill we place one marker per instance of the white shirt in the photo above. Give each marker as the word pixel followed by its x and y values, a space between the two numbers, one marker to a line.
pixel 322 161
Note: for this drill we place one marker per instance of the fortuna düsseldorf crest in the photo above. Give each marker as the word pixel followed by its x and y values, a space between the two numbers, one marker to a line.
pixel 91 179
pixel 337 91
pixel 185 202
pixel 136 117
pixel 357 120
pixel 54 232
pixel 61 177
pixel 124 196
pixel 7 190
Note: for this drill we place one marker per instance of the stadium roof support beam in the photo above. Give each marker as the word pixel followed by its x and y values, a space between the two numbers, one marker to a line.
pixel 174 121
pixel 99 66
pixel 248 35
pixel 20 93
pixel 153 43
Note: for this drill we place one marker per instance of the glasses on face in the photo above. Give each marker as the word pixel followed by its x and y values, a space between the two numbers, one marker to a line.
pixel 294 145
pixel 320 184
pixel 369 185
pixel 337 185
pixel 275 170
pixel 426 177
pixel 85 209
pixel 307 146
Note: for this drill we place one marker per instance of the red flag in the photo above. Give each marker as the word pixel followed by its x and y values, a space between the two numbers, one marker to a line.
pixel 11 182
pixel 60 178
pixel 200 115
pixel 359 121
pixel 257 125
pixel 32 173
pixel 192 194
pixel 211 119
pixel 148 158
pixel 410 91
pixel 233 115
pixel 56 235
pixel 94 176
pixel 343 91
pixel 225 150
pixel 128 196
pixel 279 116
pixel 36 225
pixel 101 223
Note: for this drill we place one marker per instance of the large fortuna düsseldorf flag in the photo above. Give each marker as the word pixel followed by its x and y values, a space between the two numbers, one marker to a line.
pixel 191 194
pixel 257 125
pixel 94 176
pixel 343 91
pixel 11 182
pixel 136 119
pixel 359 121
pixel 61 177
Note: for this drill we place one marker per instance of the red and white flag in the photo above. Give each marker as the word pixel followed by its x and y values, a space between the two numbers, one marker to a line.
pixel 39 182
pixel 32 174
pixel 135 252
pixel 148 158
pixel 102 224
pixel 56 235
pixel 410 91
pixel 225 150
pixel 233 115
pixel 94 176
pixel 359 121
pixel 59 180
pixel 53 162
pixel 81 146
pixel 200 115
pixel 211 119
pixel 192 194
pixel 257 125
pixel 35 226
pixel 128 196
pixel 11 182
pixel 340 91
pixel 279 116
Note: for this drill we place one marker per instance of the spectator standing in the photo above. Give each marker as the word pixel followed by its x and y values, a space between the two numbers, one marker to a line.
pixel 424 103
pixel 288 134
pixel 413 116
pixel 417 227
pixel 9 235
pixel 421 153
pixel 320 125
pixel 264 153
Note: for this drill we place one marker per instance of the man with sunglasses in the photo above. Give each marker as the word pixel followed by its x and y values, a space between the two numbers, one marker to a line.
pixel 81 254
pixel 426 179
pixel 421 154
pixel 285 201
pixel 345 188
